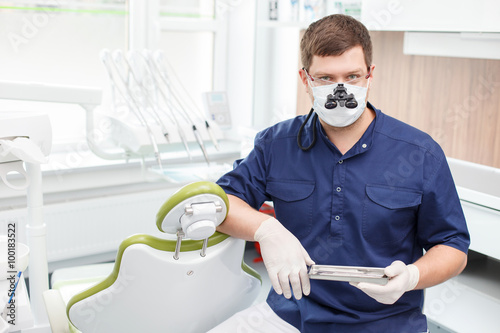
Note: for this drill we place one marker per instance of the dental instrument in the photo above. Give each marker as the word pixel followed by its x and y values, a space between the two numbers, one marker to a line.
pixel 165 64
pixel 124 90
pixel 175 105
pixel 162 60
pixel 348 274
pixel 164 78
pixel 161 108
pixel 168 104
pixel 139 79
pixel 146 57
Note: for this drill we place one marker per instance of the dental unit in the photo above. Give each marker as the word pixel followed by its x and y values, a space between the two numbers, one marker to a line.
pixel 144 84
pixel 171 274
pixel 26 139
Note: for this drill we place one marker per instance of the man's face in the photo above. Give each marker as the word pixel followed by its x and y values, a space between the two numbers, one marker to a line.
pixel 343 68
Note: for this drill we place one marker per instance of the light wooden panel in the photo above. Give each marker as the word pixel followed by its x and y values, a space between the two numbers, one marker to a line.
pixel 455 100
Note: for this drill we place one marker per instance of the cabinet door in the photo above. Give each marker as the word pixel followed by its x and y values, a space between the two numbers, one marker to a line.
pixel 429 15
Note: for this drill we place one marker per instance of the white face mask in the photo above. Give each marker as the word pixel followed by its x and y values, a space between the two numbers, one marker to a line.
pixel 338 98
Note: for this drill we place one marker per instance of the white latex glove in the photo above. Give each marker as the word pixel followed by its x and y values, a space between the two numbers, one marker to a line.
pixel 402 278
pixel 285 259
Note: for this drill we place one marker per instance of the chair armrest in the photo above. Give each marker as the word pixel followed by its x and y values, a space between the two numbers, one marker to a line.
pixel 56 311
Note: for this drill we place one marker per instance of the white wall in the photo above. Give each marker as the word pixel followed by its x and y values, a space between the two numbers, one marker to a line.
pixel 240 61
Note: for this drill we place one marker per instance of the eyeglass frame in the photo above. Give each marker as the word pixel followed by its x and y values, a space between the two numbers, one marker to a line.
pixel 312 78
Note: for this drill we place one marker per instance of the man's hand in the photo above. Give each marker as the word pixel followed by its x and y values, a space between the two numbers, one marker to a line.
pixel 402 278
pixel 285 259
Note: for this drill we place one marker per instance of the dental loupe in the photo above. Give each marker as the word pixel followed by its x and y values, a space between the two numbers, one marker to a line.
pixel 340 97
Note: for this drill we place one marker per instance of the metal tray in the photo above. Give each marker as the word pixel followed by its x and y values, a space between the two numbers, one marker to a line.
pixel 348 274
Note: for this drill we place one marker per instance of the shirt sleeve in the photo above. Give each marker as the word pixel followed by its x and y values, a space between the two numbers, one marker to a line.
pixel 247 180
pixel 440 218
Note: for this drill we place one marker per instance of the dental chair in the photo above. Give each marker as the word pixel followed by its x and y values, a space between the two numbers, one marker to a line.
pixel 183 285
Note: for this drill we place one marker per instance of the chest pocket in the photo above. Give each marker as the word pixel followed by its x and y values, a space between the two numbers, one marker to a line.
pixel 293 204
pixel 389 214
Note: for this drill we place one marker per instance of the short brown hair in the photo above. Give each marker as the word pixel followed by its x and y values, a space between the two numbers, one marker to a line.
pixel 332 36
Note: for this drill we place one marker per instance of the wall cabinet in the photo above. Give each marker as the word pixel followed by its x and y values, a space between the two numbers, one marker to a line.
pixel 429 15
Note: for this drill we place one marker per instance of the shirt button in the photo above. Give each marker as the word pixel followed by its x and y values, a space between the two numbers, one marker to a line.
pixel 363 145
pixel 337 218
pixel 339 189
pixel 341 161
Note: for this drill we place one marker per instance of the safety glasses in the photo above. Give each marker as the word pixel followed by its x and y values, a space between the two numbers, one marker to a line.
pixel 352 79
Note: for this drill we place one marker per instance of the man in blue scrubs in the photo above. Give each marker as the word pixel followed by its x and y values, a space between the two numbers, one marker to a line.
pixel 350 186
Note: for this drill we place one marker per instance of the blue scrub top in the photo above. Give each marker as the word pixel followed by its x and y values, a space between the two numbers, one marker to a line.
pixel 388 198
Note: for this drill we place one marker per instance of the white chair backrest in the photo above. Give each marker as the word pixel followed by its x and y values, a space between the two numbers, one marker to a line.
pixel 150 291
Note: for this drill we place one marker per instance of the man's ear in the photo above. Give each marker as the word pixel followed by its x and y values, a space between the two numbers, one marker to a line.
pixel 303 78
pixel 372 69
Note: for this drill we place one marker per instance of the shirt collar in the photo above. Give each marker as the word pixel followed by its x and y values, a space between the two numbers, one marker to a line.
pixel 365 142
